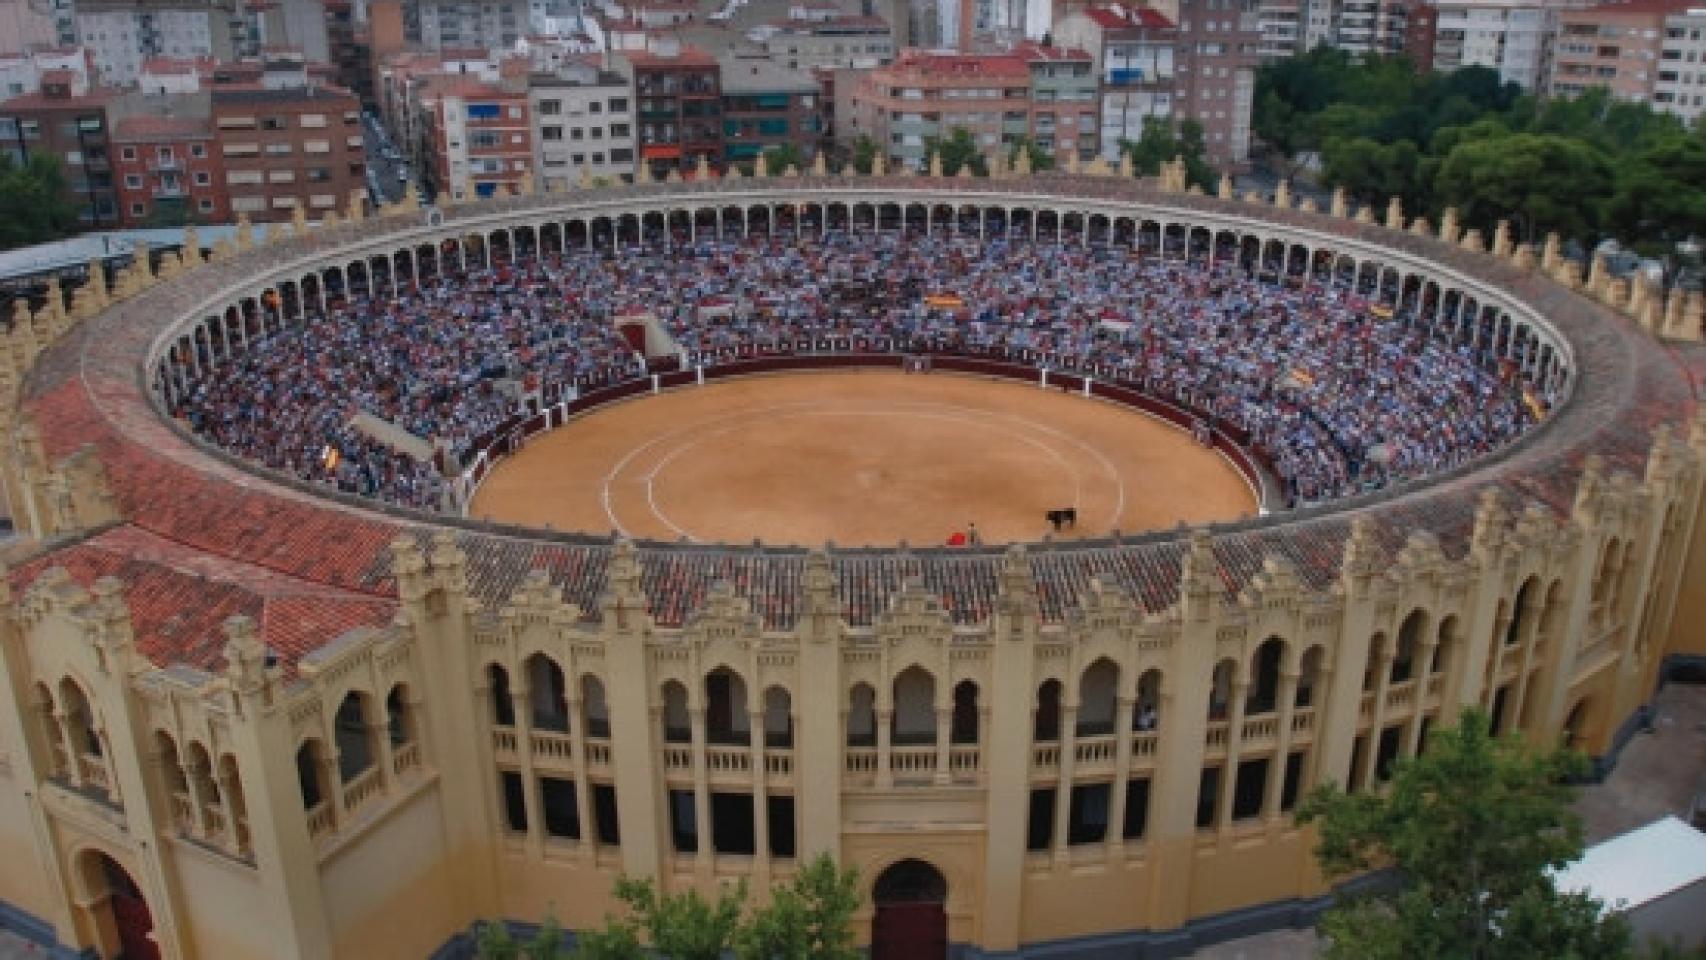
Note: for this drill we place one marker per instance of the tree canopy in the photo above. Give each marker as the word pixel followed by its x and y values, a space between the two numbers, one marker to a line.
pixel 958 149
pixel 1587 167
pixel 779 158
pixel 33 207
pixel 1474 826
pixel 809 918
pixel 1163 142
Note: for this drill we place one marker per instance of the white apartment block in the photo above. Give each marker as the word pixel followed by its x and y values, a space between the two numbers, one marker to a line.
pixel 492 24
pixel 1510 36
pixel 583 119
pixel 1680 87
pixel 22 73
pixel 122 36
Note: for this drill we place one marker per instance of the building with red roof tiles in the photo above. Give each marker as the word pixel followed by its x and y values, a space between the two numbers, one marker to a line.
pixel 1133 50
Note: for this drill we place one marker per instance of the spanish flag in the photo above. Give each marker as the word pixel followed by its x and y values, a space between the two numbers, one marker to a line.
pixel 944 301
pixel 330 456
pixel 1381 310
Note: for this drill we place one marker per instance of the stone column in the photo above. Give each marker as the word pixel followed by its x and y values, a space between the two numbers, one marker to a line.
pixel 1063 791
pixel 1123 710
pixel 1287 707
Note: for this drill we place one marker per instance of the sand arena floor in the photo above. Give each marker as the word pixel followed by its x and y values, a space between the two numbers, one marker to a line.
pixel 861 459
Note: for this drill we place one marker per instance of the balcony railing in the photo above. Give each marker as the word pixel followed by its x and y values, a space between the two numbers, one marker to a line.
pixel 912 761
pixel 363 788
pixel 503 741
pixel 405 757
pixel 552 746
pixel 320 819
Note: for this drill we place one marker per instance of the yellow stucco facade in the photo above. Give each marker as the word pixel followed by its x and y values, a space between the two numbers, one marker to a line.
pixel 1114 771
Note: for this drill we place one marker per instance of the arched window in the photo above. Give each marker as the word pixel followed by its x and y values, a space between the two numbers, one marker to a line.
pixel 173 781
pixel 965 712
pixel 914 707
pixel 310 775
pixel 1409 635
pixel 1521 610
pixel 201 774
pixel 1220 693
pixel 595 714
pixel 1308 677
pixel 862 716
pixel 1263 694
pixel 399 718
pixel 503 707
pixel 355 737
pixel 726 712
pixel 1147 715
pixel 79 720
pixel 235 802
pixel 677 726
pixel 1377 652
pixel 547 693
pixel 1447 648
pixel 1045 727
pixel 778 719
pixel 47 728
pixel 1098 690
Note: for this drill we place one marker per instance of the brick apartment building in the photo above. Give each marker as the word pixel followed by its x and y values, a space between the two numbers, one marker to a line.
pixel 678 106
pixel 168 166
pixel 289 146
pixel 477 136
pixel 74 128
pixel 1043 93
pixel 766 106
pixel 1215 73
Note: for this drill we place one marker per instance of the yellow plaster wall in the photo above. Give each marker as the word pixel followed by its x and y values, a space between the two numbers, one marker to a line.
pixel 392 896
pixel 230 919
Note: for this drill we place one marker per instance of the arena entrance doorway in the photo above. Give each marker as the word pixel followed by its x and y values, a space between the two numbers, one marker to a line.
pixel 911 921
pixel 124 927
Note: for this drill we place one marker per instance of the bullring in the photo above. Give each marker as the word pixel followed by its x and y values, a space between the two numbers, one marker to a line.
pixel 293 718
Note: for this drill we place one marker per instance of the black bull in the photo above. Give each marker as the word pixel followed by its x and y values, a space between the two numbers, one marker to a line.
pixel 1066 516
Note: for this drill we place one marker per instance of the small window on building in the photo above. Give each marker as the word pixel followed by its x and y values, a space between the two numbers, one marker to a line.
pixel 127 153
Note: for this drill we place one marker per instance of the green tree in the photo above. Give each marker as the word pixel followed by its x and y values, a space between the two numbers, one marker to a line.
pixel 33 204
pixel 958 150
pixel 492 941
pixel 1373 172
pixel 1040 159
pixel 1659 194
pixel 812 917
pixel 1473 826
pixel 1161 143
pixel 864 154
pixel 684 926
pixel 1541 182
pixel 778 159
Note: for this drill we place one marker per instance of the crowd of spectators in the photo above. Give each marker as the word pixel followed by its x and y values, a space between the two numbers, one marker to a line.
pixel 1336 398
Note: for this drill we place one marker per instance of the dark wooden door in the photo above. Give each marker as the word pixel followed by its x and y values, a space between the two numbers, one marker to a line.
pixel 910 931
pixel 131 917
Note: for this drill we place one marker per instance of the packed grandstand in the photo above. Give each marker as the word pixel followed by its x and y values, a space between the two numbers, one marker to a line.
pixel 1332 390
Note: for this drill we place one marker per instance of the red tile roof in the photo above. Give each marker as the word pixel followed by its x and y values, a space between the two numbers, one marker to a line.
pixel 1111 18
pixel 138 129
pixel 180 597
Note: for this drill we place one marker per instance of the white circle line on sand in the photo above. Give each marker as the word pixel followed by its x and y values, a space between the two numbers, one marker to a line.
pixel 843 411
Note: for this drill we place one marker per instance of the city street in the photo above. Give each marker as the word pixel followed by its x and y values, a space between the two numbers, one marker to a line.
pixel 381 168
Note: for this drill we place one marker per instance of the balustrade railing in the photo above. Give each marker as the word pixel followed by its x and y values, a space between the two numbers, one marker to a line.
pixel 363 788
pixel 320 819
pixel 552 746
pixel 503 741
pixel 405 757
pixel 912 761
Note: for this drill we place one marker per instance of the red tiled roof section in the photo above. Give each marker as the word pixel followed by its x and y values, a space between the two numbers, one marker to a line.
pixel 180 598
pixel 149 128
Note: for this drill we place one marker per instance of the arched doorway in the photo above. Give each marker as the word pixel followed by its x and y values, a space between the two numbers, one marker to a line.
pixel 911 921
pixel 124 927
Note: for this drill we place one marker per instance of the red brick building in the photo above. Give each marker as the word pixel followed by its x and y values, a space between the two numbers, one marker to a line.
pixel 287 147
pixel 678 108
pixel 168 169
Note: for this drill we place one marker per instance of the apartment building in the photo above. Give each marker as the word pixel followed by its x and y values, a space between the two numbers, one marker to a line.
pixel 478 136
pixel 1215 73
pixel 1681 85
pixel 1064 116
pixel 678 96
pixel 285 146
pixel 1615 46
pixel 1510 36
pixel 842 42
pixel 22 73
pixel 26 25
pixel 74 128
pixel 766 106
pixel 1045 93
pixel 1132 51
pixel 436 24
pixel 123 34
pixel 167 164
pixel 583 120
pixel 161 76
